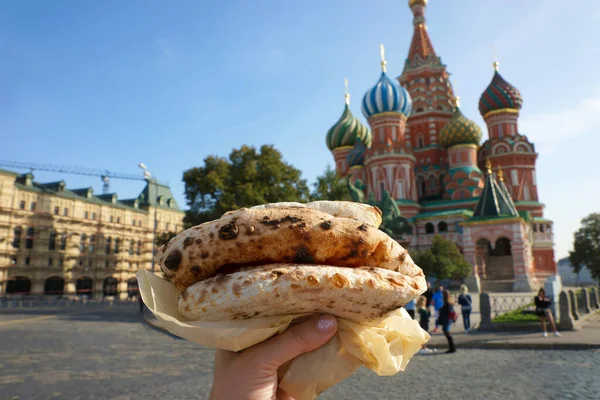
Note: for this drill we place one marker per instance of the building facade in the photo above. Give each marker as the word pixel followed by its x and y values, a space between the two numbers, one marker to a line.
pixel 427 156
pixel 59 241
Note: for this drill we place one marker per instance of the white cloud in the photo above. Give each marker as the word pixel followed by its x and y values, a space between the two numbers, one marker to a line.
pixel 547 130
pixel 164 47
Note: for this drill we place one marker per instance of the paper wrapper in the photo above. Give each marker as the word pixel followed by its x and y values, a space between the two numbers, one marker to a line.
pixel 384 345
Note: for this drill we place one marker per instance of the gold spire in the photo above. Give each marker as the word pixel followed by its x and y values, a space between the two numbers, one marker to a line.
pixel 383 62
pixel 456 102
pixel 415 2
pixel 500 174
pixel 488 166
pixel 346 95
pixel 496 66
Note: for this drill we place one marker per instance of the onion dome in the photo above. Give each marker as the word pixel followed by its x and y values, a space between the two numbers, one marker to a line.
pixel 386 95
pixel 499 95
pixel 347 130
pixel 459 130
pixel 356 156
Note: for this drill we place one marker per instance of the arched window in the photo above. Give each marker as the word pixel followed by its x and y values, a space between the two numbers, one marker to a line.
pixel 52 241
pixel 83 286
pixel 431 185
pixel 420 186
pixel 108 244
pixel 109 286
pixel 139 247
pixel 442 227
pixel 442 187
pixel 117 244
pixel 17 239
pixel 29 238
pixel 535 227
pixel 420 142
pixel 542 228
pixel 54 285
pixel 82 243
pixel 18 285
pixel 63 241
pixel 429 228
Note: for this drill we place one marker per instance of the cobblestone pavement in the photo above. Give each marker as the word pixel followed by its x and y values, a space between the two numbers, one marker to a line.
pixel 110 354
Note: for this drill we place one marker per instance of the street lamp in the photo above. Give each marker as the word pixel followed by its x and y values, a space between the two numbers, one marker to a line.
pixel 148 178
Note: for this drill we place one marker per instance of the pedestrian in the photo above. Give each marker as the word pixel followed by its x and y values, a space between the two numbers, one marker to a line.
pixel 542 310
pixel 410 308
pixel 428 294
pixel 141 304
pixel 466 305
pixel 424 315
pixel 446 318
pixel 438 301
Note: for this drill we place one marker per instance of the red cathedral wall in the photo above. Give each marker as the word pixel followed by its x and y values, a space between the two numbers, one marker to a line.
pixel 543 262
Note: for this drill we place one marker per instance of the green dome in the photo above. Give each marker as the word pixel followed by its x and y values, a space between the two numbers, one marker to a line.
pixel 459 130
pixel 346 131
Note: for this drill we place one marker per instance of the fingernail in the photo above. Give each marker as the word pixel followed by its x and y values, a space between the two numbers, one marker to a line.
pixel 326 324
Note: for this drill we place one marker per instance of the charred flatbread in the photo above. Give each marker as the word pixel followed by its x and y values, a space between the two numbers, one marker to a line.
pixel 355 294
pixel 251 237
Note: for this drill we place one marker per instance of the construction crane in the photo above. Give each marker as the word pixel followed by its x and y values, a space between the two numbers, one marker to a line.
pixel 104 175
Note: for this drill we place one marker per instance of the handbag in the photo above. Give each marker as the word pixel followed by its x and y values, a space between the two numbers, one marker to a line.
pixel 453 316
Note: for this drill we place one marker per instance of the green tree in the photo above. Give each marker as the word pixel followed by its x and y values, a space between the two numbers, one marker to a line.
pixel 247 178
pixel 586 246
pixel 442 260
pixel 330 186
pixel 164 237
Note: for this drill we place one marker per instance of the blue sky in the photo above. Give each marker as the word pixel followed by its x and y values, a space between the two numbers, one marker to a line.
pixel 109 84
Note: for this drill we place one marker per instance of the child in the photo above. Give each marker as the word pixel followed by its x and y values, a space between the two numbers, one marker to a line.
pixel 424 315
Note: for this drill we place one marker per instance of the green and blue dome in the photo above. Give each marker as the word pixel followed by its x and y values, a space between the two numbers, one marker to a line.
pixel 459 130
pixel 346 131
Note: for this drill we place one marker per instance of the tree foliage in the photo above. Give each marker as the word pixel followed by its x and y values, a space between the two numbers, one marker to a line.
pixel 164 237
pixel 442 260
pixel 586 246
pixel 247 178
pixel 330 186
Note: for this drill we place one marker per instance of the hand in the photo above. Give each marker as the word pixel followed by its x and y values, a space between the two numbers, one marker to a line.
pixel 252 374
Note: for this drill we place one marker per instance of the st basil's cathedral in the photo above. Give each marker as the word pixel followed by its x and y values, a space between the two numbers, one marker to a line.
pixel 423 159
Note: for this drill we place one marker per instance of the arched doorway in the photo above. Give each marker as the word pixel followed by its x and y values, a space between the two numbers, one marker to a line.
pixel 54 285
pixel 132 287
pixel 84 286
pixel 502 248
pixel 109 287
pixel 18 285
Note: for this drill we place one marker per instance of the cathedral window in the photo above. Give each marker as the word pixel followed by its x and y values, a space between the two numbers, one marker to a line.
pixel 420 141
pixel 420 186
pixel 442 227
pixel 526 194
pixel 429 229
pixel 514 177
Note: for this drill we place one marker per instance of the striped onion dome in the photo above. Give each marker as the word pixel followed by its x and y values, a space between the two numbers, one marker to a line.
pixel 499 95
pixel 386 96
pixel 356 156
pixel 346 131
pixel 459 130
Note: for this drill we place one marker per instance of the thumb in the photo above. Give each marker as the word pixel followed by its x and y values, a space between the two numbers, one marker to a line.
pixel 299 339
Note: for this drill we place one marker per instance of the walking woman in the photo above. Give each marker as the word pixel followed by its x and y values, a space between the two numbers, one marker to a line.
pixel 424 315
pixel 446 318
pixel 542 310
pixel 465 301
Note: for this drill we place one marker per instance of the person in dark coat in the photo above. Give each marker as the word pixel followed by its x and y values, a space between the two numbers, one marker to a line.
pixel 446 319
pixel 542 310
pixel 466 305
